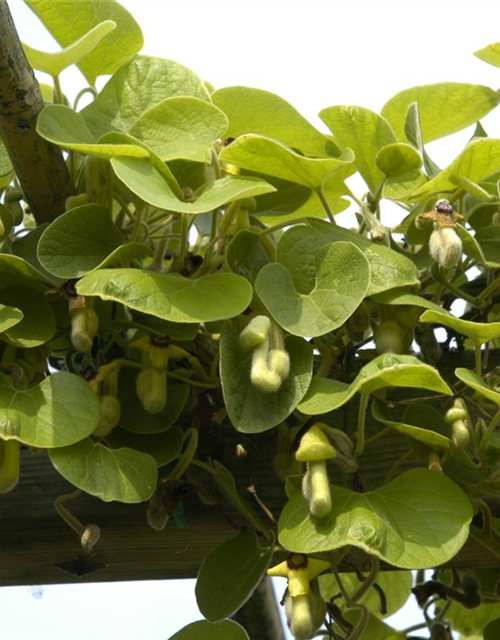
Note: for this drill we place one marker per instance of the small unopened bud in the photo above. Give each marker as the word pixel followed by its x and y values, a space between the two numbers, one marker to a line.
pixel 84 325
pixel 89 538
pixel 151 388
pixel 279 362
pixel 261 376
pixel 445 246
pixel 391 337
pixel 458 418
pixel 241 452
pixel 255 332
pixel 109 416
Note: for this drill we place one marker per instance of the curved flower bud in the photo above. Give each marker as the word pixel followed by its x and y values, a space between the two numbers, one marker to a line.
pixel 84 325
pixel 151 388
pixel 445 246
pixel 256 331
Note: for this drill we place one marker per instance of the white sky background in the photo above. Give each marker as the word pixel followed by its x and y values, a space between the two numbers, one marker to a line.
pixel 315 54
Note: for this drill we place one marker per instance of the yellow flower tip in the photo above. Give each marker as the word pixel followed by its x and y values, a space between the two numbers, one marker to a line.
pixel 279 571
pixel 316 567
pixel 255 332
pixel 315 446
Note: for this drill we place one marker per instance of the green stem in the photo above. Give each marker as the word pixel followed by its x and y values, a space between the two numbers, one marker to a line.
pixel 477 352
pixel 184 242
pixel 193 383
pixel 137 223
pixel 451 287
pixel 161 247
pixel 58 94
pixel 357 632
pixel 360 440
pixel 285 223
pixel 484 440
pixel 68 517
pixel 326 204
pixel 191 435
pixel 81 93
pixel 487 291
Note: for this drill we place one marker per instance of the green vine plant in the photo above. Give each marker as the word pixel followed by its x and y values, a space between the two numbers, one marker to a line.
pixel 199 283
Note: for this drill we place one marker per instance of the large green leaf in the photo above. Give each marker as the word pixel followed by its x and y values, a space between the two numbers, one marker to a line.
pixel 60 411
pixel 489 241
pixel 172 297
pixel 181 127
pixel 251 410
pixel 204 630
pixel 124 475
pixel 9 316
pixel 339 274
pixel 387 370
pixel 229 575
pixel 400 163
pixel 479 159
pixel 268 156
pixel 37 325
pixel 396 586
pixel 421 519
pixel 472 380
pixel 478 331
pixel 444 107
pixel 363 131
pixel 70 20
pixel 470 622
pixel 144 179
pixel 78 241
pixel 54 63
pixel 164 447
pixel 388 269
pixel 257 111
pixel 137 86
pixel 60 125
pixel 25 247
pixel 15 270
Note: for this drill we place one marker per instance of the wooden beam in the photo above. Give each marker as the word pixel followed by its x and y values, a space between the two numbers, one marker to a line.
pixel 34 541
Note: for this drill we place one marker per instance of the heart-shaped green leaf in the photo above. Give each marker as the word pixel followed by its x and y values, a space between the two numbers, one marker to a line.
pixel 123 475
pixel 444 107
pixel 478 331
pixel 257 111
pixel 137 86
pixel 396 586
pixel 54 63
pixel 9 316
pixel 400 162
pixel 388 268
pixel 14 270
pixel 60 411
pixel 251 410
pixel 172 297
pixel 421 519
pixel 204 630
pixel 60 125
pixel 339 274
pixel 181 127
pixel 69 21
pixel 268 156
pixel 163 447
pixel 25 247
pixel 37 325
pixel 133 416
pixel 475 382
pixel 388 370
pixel 432 439
pixel 144 179
pixel 479 159
pixel 78 241
pixel 229 575
pixel 363 131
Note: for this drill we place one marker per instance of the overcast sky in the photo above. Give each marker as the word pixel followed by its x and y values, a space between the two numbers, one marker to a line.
pixel 314 53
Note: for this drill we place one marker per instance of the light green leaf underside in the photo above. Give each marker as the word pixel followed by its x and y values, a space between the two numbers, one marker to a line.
pixel 490 54
pixel 163 447
pixel 61 410
pixel 37 325
pixel 421 519
pixel 137 86
pixel 444 107
pixel 146 181
pixel 403 297
pixel 479 159
pixel 204 630
pixel 182 127
pixel 478 331
pixel 472 380
pixel 388 370
pixel 363 131
pixel 229 575
pixel 54 63
pixel 61 125
pixel 123 475
pixel 396 586
pixel 388 269
pixel 9 316
pixel 257 111
pixel 68 21
pixel 268 156
pixel 171 296
pixel 251 410
pixel 341 275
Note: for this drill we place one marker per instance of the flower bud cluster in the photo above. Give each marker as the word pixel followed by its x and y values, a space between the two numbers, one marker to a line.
pixel 458 418
pixel 270 360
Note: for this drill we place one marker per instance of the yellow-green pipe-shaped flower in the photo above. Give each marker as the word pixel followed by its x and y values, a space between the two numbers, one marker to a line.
pixel 261 375
pixel 315 449
pixel 299 570
pixel 256 331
